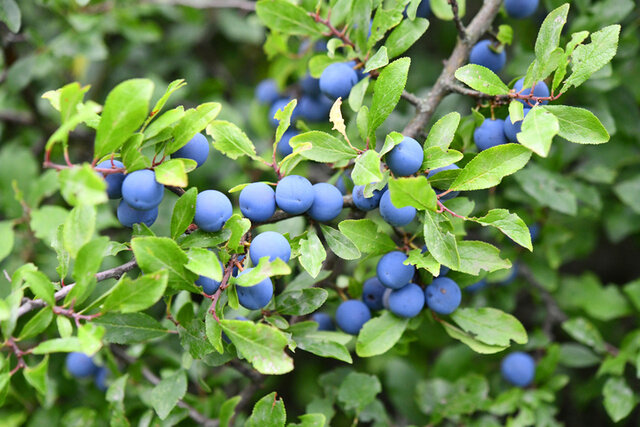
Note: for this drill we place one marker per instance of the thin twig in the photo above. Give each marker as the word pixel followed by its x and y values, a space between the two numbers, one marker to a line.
pixel 462 32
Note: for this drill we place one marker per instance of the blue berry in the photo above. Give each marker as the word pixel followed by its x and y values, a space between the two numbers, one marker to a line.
pixel 541 90
pixel 489 134
pixel 257 201
pixel 407 301
pixel 284 148
pixel 114 180
pixel 294 194
pixel 267 91
pixel 518 368
pixel 327 202
pixel 80 365
pixel 256 296
pixel 393 215
pixel 511 130
pixel 269 244
pixel 351 315
pixel 520 8
pixel 337 80
pixel 141 190
pixel 324 321
pixel 213 209
pixel 483 54
pixel 129 216
pixel 372 292
pixel 196 149
pixel 392 272
pixel 443 295
pixel 366 203
pixel 432 172
pixel 405 158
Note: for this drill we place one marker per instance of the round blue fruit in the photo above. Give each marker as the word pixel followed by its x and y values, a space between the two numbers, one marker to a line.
pixel 393 215
pixel 114 180
pixel 366 203
pixel 213 209
pixel 256 296
pixel 511 130
pixel 540 90
pixel 80 365
pixel 324 321
pixel 318 46
pixel 284 148
pixel 196 149
pixel 314 109
pixel 405 158
pixel 489 134
pixel 129 216
pixel 279 105
pixel 100 378
pixel 258 201
pixel 407 301
pixel 432 172
pixel 327 202
pixel 310 85
pixel 294 194
pixel 483 54
pixel 518 368
pixel 359 71
pixel 269 244
pixel 443 295
pixel 372 292
pixel 141 190
pixel 478 286
pixel 520 8
pixel 337 80
pixel 351 315
pixel 208 285
pixel 534 231
pixel 267 91
pixel 392 272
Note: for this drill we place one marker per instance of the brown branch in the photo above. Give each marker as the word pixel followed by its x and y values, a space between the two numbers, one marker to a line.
pixel 413 99
pixel 112 273
pixel 248 6
pixel 427 106
pixel 462 32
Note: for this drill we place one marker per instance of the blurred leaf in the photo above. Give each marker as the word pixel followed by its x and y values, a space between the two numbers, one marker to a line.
pixel 166 394
pixel 442 9
pixel 358 390
pixel 583 331
pixel 82 186
pixel 619 399
pixel 268 411
pixel 288 18
pixel 10 15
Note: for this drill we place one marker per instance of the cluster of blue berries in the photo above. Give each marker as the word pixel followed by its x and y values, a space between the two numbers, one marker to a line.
pixel 82 366
pixel 140 192
pixel 495 132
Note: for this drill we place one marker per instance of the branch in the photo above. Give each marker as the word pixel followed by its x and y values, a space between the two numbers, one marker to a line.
pixel 413 99
pixel 201 419
pixel 462 32
pixel 115 272
pixel 478 26
pixel 245 5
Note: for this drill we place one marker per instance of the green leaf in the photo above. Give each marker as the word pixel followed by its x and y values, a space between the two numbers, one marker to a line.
pixel 481 79
pixel 390 141
pixel 300 302
pixel 174 172
pixel 10 15
pixel 124 112
pixel 78 228
pixel 505 34
pixel 627 191
pixel 41 286
pixel 442 9
pixel 324 147
pixel 37 376
pixel 262 345
pixel 116 390
pixel 358 390
pixel 425 261
pixel 356 96
pixel 442 244
pixel 476 256
pixel 440 398
pixel 204 263
pixel 310 420
pixel 490 326
pixel 166 394
pixel 379 334
pixel 86 266
pixel 130 328
pixel 8 236
pixel 378 60
pixel 193 122
pixel 160 253
pixel 284 119
pixel 230 140
pixel 36 324
pixel 365 235
pixel 589 58
pixel 405 35
pixel 268 411
pixel 322 343
pixel 436 157
pixel 510 224
pixel 578 125
pixel 412 191
pixel 58 345
pixel 213 330
pixel 387 90
pixel 287 18
pixel 443 131
pixel 366 168
pixel 183 212
pixel 548 189
pixel 193 338
pixel 164 123
pixel 538 129
pixel 82 186
pixel 340 244
pixel 312 254
pixel 619 398
pixel 130 296
pixel 487 169
pixel 549 37
pixel 583 331
pixel 173 86
pixel 264 269
pixel 239 227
